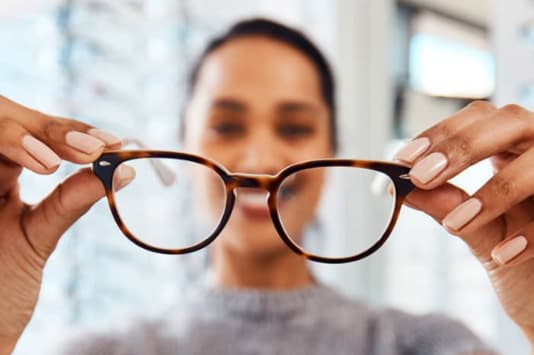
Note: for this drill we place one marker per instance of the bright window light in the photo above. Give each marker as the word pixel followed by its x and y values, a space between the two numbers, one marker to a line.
pixel 448 60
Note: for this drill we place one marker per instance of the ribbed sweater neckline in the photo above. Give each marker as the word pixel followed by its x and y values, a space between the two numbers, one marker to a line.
pixel 258 303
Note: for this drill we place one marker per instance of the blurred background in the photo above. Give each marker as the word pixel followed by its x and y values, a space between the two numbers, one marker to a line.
pixel 401 66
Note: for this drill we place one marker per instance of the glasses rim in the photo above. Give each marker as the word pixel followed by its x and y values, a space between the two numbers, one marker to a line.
pixel 104 167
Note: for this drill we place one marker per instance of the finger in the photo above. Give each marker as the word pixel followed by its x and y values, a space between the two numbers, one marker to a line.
pixel 499 161
pixel 439 202
pixel 506 189
pixel 70 139
pixel 475 111
pixel 519 216
pixel 47 221
pixel 19 147
pixel 9 172
pixel 515 249
pixel 478 141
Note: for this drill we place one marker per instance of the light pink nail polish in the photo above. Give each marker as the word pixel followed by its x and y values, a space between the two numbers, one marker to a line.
pixel 40 151
pixel 509 250
pixel 83 142
pixel 123 176
pixel 462 214
pixel 411 151
pixel 106 137
pixel 427 169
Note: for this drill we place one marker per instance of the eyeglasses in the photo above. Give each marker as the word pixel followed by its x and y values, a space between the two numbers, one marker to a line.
pixel 179 203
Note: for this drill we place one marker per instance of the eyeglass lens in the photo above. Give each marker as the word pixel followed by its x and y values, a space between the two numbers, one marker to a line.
pixel 329 211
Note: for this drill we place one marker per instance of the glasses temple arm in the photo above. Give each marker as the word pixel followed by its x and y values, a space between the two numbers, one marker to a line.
pixel 166 175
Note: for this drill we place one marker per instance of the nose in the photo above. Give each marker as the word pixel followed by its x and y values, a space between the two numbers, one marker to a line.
pixel 262 154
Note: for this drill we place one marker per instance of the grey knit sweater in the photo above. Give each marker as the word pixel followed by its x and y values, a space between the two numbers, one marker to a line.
pixel 308 321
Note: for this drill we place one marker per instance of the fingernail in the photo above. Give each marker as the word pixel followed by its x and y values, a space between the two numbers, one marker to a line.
pixel 40 151
pixel 509 250
pixel 124 175
pixel 411 151
pixel 427 169
pixel 462 214
pixel 83 142
pixel 104 136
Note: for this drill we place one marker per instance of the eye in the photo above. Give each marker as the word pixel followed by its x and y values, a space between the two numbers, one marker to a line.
pixel 295 130
pixel 228 128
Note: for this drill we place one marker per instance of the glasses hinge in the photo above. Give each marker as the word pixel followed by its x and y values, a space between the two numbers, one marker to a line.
pixel 104 163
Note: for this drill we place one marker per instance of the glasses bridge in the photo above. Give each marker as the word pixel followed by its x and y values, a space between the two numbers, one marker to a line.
pixel 261 181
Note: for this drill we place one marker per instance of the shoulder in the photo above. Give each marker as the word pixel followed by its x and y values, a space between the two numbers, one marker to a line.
pixel 431 333
pixel 138 337
pixel 390 330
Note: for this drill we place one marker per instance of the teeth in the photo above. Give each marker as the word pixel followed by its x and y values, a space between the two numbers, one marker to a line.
pixel 253 198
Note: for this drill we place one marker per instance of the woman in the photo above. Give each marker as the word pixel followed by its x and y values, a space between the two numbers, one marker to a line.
pixel 259 121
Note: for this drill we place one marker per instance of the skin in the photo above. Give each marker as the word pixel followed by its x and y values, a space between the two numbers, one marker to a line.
pixel 29 234
pixel 258 122
pixel 506 135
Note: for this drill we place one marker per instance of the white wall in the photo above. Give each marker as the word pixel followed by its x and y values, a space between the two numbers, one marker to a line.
pixel 474 11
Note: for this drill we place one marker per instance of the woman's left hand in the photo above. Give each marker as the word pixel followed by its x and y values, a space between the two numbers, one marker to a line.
pixel 496 222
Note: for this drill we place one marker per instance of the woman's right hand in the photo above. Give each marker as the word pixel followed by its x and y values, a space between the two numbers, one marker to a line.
pixel 28 234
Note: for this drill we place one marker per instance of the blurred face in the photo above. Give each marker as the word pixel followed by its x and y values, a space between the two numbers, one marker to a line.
pixel 257 108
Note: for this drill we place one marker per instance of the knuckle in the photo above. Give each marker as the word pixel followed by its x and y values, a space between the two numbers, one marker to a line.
pixel 62 126
pixel 521 115
pixel 75 125
pixel 514 110
pixel 9 130
pixel 438 132
pixel 55 128
pixel 57 206
pixel 62 206
pixel 35 117
pixel 70 121
pixel 502 187
pixel 4 124
pixel 460 149
pixel 481 106
pixel 50 128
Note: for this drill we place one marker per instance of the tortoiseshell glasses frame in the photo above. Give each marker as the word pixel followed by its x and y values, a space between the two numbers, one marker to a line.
pixel 104 168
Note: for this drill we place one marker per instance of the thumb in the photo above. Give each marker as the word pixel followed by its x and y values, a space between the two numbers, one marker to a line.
pixel 46 222
pixel 438 202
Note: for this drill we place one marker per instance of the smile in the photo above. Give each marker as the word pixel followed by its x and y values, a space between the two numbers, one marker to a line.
pixel 254 204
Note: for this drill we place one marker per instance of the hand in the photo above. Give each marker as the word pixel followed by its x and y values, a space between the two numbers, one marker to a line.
pixel 28 234
pixel 496 222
